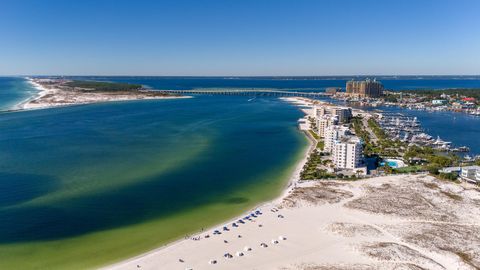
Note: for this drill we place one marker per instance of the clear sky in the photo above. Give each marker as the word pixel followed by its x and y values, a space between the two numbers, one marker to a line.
pixel 242 37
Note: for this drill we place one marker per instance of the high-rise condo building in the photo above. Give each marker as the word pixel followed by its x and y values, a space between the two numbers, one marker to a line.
pixel 367 88
pixel 333 133
pixel 347 152
pixel 324 122
pixel 344 114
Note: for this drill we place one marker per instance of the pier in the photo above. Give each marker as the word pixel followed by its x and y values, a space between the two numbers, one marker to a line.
pixel 248 92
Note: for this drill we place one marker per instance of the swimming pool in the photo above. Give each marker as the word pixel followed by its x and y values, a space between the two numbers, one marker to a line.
pixel 394 163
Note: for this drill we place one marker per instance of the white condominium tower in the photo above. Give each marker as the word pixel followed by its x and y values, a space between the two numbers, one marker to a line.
pixel 324 122
pixel 344 114
pixel 347 152
pixel 333 133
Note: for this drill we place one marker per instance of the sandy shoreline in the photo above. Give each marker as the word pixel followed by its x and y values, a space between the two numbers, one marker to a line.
pixel 58 98
pixel 290 185
pixel 327 225
pixel 366 224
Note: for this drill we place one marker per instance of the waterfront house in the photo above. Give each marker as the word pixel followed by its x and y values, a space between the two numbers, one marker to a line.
pixel 470 173
pixel 439 102
pixel 455 170
pixel 468 99
pixel 457 105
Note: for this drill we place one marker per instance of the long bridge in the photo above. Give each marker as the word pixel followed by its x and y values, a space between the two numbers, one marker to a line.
pixel 248 92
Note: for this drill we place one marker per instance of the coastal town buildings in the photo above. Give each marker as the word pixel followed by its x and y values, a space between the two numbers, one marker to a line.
pixel 321 110
pixel 332 134
pixel 324 122
pixel 347 153
pixel 456 170
pixel 439 102
pixel 465 102
pixel 470 173
pixel 333 90
pixel 467 173
pixel 345 149
pixel 344 114
pixel 367 88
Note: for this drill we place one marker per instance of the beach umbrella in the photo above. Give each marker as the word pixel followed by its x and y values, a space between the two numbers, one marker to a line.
pixel 282 237
pixel 240 254
pixel 247 248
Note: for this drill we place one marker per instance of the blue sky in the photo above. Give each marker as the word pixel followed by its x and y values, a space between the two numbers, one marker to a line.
pixel 243 37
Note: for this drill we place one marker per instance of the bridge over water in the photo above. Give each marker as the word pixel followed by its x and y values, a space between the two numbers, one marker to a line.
pixel 248 92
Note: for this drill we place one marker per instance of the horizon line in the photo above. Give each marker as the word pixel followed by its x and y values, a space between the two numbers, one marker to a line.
pixel 244 76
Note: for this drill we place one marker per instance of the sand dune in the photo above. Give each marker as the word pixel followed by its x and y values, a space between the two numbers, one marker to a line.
pixel 394 222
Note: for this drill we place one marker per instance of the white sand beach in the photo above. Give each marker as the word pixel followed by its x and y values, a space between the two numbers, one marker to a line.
pixel 391 222
pixel 50 96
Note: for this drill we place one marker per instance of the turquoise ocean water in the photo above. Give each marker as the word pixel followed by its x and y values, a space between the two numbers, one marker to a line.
pixel 14 90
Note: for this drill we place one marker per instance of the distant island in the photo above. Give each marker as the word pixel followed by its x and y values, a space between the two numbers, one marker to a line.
pixel 63 92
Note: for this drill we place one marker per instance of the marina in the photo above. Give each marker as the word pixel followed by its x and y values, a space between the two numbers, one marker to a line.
pixel 408 129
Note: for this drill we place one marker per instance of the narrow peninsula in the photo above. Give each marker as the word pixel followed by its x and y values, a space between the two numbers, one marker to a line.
pixel 56 92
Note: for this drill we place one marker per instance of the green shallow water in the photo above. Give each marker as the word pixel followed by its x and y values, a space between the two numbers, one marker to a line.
pixel 90 185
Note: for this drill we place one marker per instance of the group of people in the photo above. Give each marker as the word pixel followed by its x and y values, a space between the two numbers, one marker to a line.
pixel 250 217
